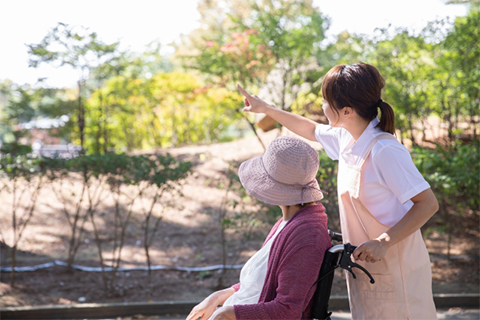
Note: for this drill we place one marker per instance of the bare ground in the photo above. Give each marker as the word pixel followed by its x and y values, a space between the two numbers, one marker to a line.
pixel 189 236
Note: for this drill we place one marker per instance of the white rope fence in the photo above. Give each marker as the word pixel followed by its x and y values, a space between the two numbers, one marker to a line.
pixel 110 269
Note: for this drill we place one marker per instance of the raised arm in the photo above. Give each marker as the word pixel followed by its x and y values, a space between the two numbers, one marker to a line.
pixel 300 125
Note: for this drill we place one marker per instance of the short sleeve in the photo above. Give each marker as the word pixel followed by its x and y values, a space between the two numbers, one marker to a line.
pixel 329 138
pixel 396 171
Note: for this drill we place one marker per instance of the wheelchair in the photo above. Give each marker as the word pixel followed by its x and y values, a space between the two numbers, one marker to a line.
pixel 337 256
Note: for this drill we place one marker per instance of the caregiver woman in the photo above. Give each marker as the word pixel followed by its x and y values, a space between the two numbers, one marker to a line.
pixel 383 199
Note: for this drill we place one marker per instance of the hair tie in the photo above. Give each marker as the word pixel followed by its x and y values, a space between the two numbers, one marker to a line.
pixel 379 103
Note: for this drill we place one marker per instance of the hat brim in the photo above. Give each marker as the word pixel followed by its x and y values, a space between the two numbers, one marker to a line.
pixel 258 183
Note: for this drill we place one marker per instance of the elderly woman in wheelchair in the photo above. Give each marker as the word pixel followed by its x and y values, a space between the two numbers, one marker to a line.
pixel 279 281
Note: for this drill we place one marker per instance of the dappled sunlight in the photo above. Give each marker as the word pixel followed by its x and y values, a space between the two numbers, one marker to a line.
pixel 142 171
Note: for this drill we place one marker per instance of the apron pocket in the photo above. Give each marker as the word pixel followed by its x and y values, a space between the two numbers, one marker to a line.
pixel 379 299
pixel 382 289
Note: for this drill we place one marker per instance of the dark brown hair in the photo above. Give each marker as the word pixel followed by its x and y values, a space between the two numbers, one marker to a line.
pixel 358 86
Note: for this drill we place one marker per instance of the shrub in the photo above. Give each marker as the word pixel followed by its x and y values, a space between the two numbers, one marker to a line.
pixel 327 180
pixel 452 172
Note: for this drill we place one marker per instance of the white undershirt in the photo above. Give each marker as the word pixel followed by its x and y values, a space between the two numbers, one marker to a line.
pixel 253 275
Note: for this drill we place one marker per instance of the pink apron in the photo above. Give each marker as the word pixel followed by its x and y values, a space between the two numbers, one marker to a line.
pixel 402 288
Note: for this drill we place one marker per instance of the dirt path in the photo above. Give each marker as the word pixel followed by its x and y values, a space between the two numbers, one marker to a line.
pixel 189 236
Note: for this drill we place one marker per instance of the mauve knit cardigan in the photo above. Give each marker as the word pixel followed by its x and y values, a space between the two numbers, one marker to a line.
pixel 293 267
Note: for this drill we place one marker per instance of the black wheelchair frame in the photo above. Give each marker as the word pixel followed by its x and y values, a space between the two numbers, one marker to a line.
pixel 337 256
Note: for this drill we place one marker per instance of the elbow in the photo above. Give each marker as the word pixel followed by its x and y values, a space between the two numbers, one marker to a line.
pixel 435 206
pixel 427 202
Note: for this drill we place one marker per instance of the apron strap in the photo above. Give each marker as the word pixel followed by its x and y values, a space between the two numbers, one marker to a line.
pixel 382 136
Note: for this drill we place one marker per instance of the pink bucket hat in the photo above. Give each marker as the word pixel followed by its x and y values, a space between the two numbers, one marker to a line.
pixel 284 175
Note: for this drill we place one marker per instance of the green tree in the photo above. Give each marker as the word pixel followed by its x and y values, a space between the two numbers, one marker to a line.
pixel 463 50
pixel 255 39
pixel 344 49
pixel 168 109
pixel 292 30
pixel 78 48
pixel 474 4
pixel 405 62
pixel 133 65
pixel 18 108
pixel 25 103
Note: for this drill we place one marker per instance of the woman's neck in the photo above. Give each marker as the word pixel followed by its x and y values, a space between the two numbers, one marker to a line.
pixel 289 211
pixel 356 127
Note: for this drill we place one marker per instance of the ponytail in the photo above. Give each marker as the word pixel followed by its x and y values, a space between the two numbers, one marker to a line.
pixel 387 117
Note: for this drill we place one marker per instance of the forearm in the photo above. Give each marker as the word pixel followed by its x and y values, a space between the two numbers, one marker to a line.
pixel 225 313
pixel 424 207
pixel 223 295
pixel 300 125
pixel 207 307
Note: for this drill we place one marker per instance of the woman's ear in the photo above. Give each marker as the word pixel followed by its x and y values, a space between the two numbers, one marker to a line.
pixel 347 111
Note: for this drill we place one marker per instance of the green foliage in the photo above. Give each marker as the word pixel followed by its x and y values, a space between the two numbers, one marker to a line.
pixel 25 103
pixel 346 49
pixel 282 36
pixel 132 65
pixel 80 49
pixel 169 109
pixel 15 149
pixel 126 179
pixel 73 46
pixel 19 166
pixel 452 172
pixel 405 62
pixel 462 48
pixel 122 169
pixel 292 30
pixel 240 57
pixel 327 180
pixel 435 71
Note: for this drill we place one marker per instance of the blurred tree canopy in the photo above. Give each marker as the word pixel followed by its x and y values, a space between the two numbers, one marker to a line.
pixel 128 101
pixel 168 109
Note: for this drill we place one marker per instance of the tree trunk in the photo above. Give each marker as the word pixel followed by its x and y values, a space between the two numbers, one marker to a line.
pixel 81 115
pixel 252 126
pixel 13 255
pixel 410 126
pixel 105 134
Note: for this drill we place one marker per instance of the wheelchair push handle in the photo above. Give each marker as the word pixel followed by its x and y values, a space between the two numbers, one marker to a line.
pixel 335 236
pixel 347 263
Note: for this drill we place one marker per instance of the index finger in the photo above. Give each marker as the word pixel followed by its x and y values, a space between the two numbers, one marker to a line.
pixel 245 93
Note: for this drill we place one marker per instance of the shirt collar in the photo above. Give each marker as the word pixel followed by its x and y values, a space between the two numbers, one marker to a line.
pixel 355 150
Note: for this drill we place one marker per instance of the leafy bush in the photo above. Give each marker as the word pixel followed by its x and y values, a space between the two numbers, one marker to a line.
pixel 453 173
pixel 15 149
pixel 127 180
pixel 327 180
pixel 21 178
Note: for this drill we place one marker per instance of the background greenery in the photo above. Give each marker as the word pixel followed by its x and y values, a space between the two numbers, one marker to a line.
pixel 127 102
